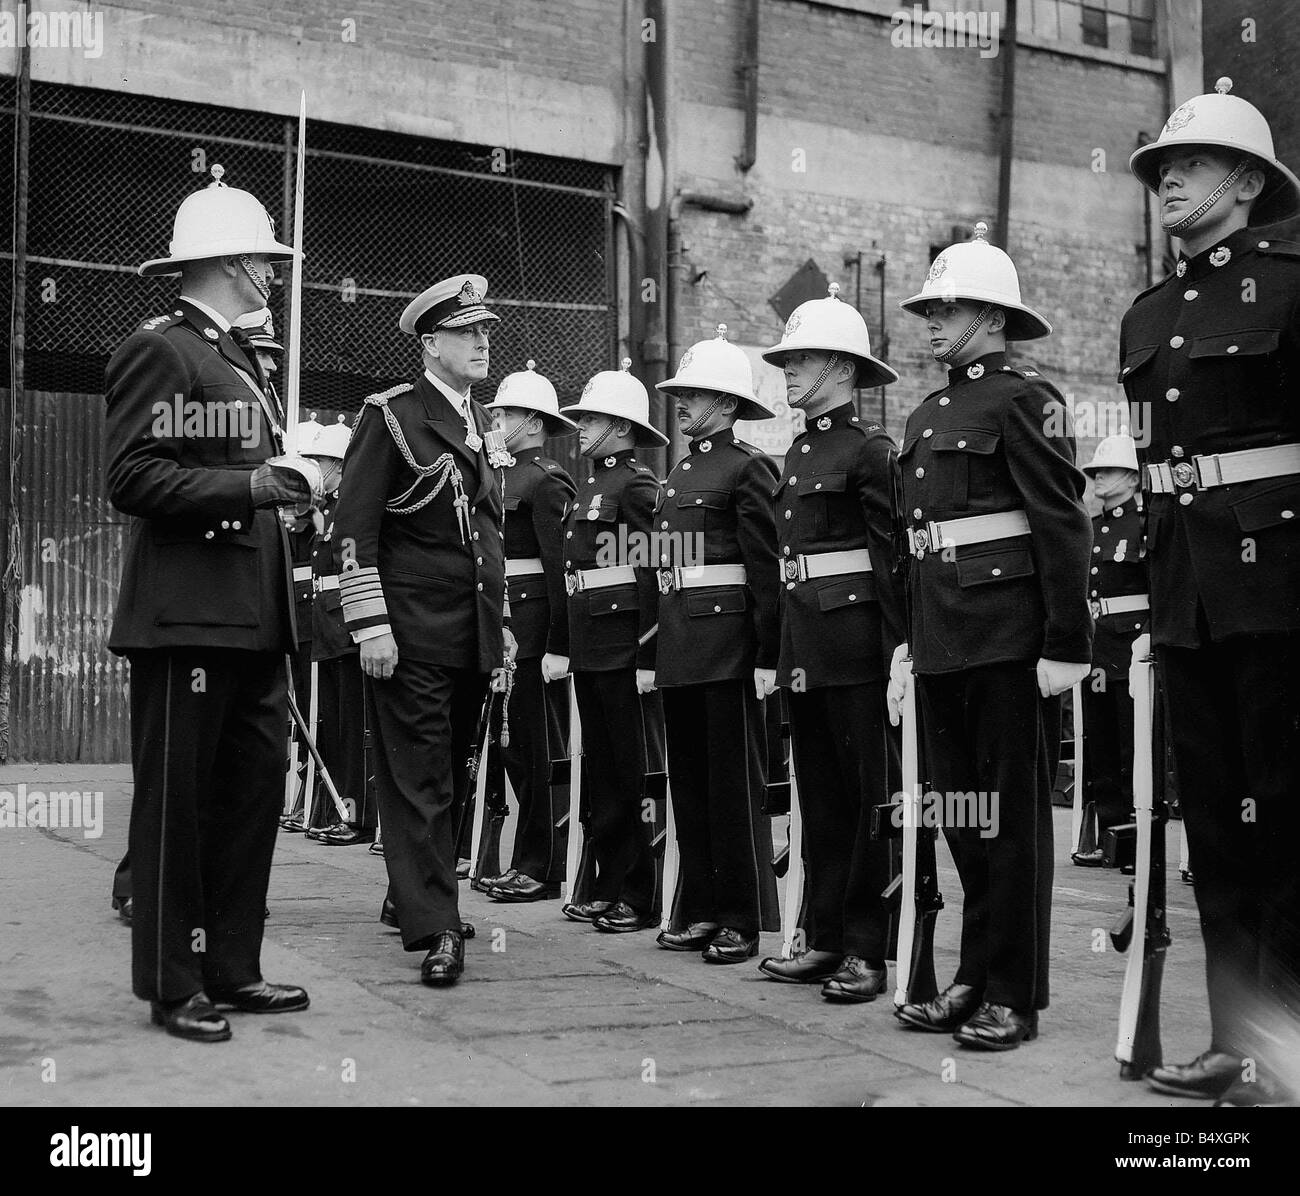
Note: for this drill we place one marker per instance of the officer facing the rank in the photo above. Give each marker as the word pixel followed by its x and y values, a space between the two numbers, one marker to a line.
pixel 526 413
pixel 613 599
pixel 194 448
pixel 716 652
pixel 998 623
pixel 1209 359
pixel 418 544
pixel 841 617
pixel 1117 595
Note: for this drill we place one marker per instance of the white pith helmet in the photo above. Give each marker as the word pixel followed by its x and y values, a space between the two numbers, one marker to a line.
pixel 979 273
pixel 1225 121
pixel 1115 452
pixel 718 366
pixel 331 440
pixel 618 394
pixel 833 327
pixel 218 221
pixel 527 390
pixel 308 433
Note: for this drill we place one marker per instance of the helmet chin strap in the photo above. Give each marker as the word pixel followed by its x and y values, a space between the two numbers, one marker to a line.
pixel 1179 227
pixel 811 392
pixel 263 287
pixel 595 444
pixel 507 437
pixel 962 341
pixel 697 425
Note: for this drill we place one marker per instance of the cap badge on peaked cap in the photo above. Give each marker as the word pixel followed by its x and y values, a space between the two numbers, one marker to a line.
pixel 468 295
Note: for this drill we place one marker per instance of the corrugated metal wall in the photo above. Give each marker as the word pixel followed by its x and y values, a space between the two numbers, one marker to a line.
pixel 69 695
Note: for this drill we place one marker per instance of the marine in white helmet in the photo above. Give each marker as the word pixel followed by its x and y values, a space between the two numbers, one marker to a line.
pixel 999 626
pixel 841 617
pixel 1208 359
pixel 716 653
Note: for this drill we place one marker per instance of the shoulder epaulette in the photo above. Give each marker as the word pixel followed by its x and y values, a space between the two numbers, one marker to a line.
pixel 381 399
pixel 745 447
pixel 1155 286
pixel 157 323
pixel 866 427
pixel 1278 248
pixel 545 464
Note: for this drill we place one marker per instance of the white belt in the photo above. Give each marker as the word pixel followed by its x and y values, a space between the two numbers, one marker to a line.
pixel 1207 470
pixel 957 533
pixel 1123 605
pixel 696 576
pixel 807 566
pixel 302 573
pixel 524 566
pixel 326 583
pixel 599 579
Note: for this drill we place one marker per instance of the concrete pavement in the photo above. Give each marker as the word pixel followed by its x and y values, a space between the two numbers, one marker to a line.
pixel 549 1012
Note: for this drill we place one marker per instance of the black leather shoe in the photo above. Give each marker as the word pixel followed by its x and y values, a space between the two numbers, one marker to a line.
pixel 292 823
pixel 942 1015
pixel 462 869
pixel 731 946
pixel 520 888
pixel 196 1019
pixel 855 981
pixel 1207 1076
pixel 997 1028
pixel 314 832
pixel 483 883
pixel 585 911
pixel 388 916
pixel 376 848
pixel 340 834
pixel 1247 1095
pixel 1088 859
pixel 807 967
pixel 695 937
pixel 261 997
pixel 621 918
pixel 124 907
pixel 445 961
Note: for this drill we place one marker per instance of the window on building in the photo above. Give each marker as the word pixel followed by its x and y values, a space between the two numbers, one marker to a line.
pixel 1124 25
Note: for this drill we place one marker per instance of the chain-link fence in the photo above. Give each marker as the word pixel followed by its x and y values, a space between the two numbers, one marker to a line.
pixel 386 215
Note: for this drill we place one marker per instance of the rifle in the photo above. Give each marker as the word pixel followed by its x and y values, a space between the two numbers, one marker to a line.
pixel 473 800
pixel 1083 818
pixel 490 804
pixel 576 862
pixel 914 894
pixel 792 913
pixel 663 843
pixel 316 759
pixel 1143 930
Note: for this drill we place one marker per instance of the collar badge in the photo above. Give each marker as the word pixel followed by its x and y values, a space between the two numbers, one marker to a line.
pixel 975 371
pixel 610 462
pixel 1181 268
pixel 823 423
pixel 705 445
pixel 1221 256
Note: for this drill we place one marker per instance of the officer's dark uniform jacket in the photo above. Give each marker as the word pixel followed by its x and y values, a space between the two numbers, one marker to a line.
pixel 1210 361
pixel 301 550
pixel 996 438
pixel 202 568
pixel 608 523
pixel 431 576
pixel 329 633
pixel 835 496
pixel 1118 570
pixel 537 493
pixel 716 509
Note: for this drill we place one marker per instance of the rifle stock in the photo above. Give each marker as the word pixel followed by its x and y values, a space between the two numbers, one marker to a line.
pixel 1144 931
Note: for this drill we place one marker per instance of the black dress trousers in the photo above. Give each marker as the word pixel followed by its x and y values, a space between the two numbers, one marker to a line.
pixel 1108 750
pixel 207 746
pixel 717 797
pixel 537 716
pixel 1236 746
pixel 984 733
pixel 340 736
pixel 842 764
pixel 423 718
pixel 617 741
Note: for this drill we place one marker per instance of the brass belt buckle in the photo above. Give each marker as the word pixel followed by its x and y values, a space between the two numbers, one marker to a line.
pixel 920 542
pixel 1184 475
pixel 665 581
pixel 1095 606
pixel 791 569
pixel 570 584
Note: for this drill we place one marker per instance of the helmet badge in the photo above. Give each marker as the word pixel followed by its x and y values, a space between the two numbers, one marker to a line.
pixel 792 323
pixel 938 268
pixel 1182 116
pixel 686 360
